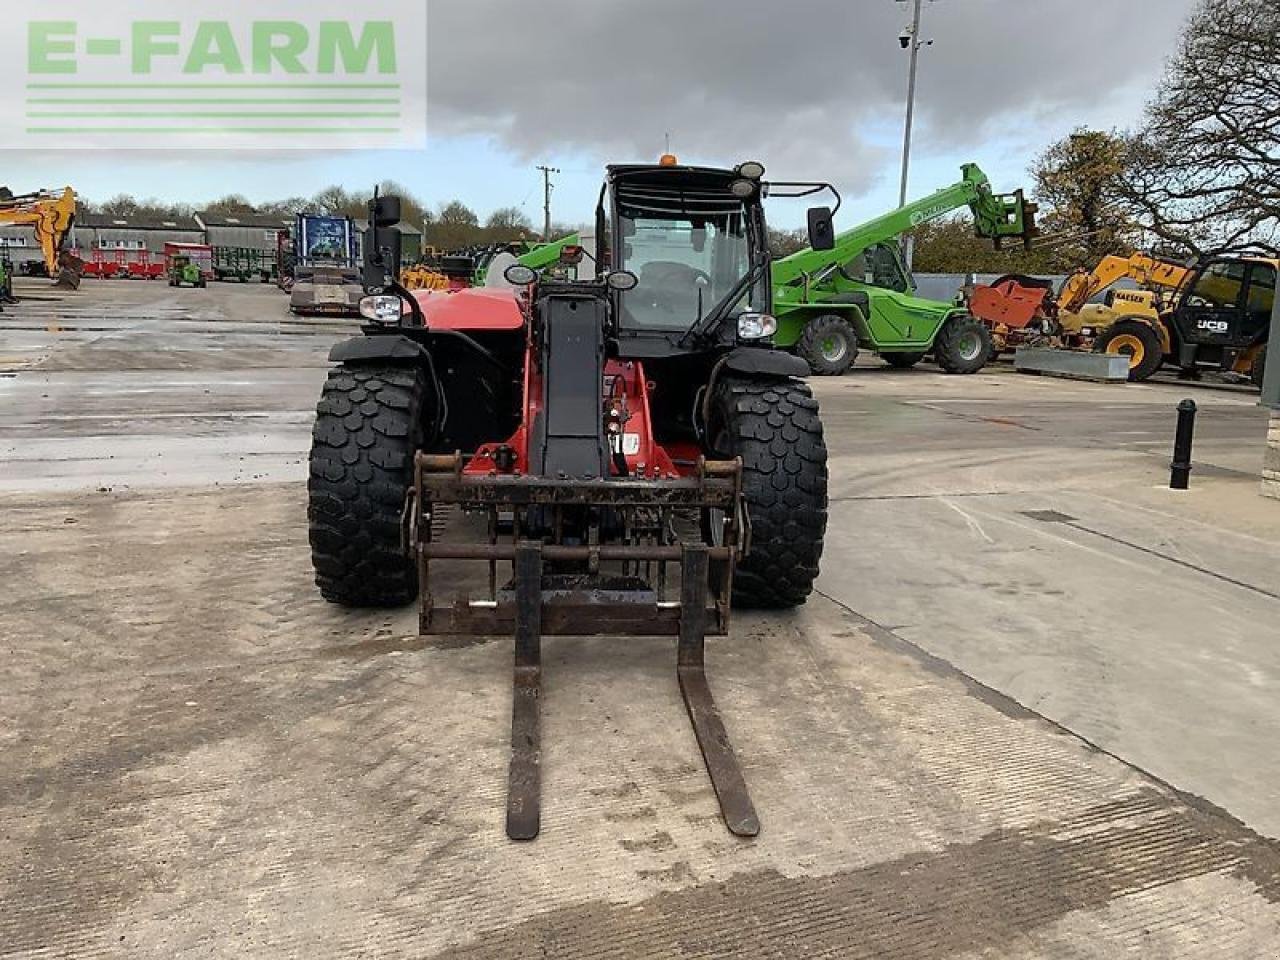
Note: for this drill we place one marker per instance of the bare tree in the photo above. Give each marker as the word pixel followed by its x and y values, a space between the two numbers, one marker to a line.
pixel 337 201
pixel 506 224
pixel 1203 172
pixel 456 226
pixel 121 205
pixel 232 203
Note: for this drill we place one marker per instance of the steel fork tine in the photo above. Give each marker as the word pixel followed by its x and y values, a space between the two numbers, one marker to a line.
pixel 524 791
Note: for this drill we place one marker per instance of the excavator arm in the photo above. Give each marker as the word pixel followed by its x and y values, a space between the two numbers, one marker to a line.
pixel 50 215
pixel 995 216
pixel 1148 272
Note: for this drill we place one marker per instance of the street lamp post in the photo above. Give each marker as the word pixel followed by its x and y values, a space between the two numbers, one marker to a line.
pixel 910 39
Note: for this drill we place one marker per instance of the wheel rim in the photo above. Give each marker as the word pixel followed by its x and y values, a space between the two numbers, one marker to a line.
pixel 834 348
pixel 1127 345
pixel 970 346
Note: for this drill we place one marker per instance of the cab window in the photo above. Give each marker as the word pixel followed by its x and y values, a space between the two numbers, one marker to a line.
pixel 1262 293
pixel 885 270
pixel 1221 285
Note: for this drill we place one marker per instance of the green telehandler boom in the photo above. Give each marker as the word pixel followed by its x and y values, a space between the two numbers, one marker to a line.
pixel 545 254
pixel 830 303
pixel 539 256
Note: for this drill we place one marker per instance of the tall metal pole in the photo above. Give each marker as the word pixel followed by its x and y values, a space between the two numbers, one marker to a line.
pixel 548 187
pixel 911 110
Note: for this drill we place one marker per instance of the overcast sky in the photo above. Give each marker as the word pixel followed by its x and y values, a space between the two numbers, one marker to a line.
pixel 814 88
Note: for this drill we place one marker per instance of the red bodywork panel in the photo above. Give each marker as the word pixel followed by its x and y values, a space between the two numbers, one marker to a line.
pixel 625 387
pixel 627 394
pixel 1009 305
pixel 474 308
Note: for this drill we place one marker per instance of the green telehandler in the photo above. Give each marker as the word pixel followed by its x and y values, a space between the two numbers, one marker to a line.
pixel 830 303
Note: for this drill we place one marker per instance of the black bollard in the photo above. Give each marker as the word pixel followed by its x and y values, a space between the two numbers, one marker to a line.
pixel 1181 477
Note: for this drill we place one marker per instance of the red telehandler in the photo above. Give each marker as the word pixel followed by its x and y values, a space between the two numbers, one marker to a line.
pixel 625 454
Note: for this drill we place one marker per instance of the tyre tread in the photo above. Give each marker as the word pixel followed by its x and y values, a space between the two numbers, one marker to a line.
pixel 776 429
pixel 361 464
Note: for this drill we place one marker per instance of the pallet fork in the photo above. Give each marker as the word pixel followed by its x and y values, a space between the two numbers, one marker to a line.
pixel 586 588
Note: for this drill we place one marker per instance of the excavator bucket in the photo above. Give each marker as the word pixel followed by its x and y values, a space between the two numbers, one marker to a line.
pixel 70 272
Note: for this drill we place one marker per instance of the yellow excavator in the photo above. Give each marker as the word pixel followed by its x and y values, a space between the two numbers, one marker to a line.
pixel 51 215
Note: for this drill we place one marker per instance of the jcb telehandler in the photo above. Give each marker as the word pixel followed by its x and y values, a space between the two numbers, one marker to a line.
pixel 1219 321
pixel 619 455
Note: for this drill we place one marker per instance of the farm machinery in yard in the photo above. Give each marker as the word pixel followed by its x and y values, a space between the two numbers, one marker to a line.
pixel 1018 302
pixel 625 454
pixel 1215 316
pixel 831 303
pixel 188 263
pixel 51 216
pixel 473 269
pixel 326 280
pixel 243 264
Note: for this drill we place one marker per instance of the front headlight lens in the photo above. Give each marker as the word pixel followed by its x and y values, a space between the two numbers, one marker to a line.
pixel 756 326
pixel 382 309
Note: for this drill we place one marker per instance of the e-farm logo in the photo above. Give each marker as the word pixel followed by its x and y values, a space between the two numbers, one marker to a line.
pixel 290 75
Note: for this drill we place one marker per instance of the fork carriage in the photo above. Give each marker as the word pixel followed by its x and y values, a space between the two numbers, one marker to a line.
pixel 590 558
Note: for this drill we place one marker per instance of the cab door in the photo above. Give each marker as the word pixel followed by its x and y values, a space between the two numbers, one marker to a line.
pixel 1212 310
pixel 1260 300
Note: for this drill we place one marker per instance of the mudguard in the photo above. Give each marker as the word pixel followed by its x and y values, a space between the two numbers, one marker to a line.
pixel 382 348
pixel 758 362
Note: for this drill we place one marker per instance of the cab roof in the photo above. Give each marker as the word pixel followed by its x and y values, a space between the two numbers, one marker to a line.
pixel 674 190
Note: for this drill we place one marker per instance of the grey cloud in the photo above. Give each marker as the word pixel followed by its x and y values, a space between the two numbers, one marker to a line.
pixel 797 84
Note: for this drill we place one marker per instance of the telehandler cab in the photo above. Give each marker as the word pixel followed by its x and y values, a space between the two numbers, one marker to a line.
pixel 619 455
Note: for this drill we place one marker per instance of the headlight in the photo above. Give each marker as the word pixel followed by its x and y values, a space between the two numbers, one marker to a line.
pixel 756 326
pixel 383 309
pixel 1087 331
pixel 518 275
pixel 622 280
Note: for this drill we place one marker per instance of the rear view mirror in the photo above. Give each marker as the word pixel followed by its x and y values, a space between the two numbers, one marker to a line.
pixel 384 211
pixel 822 233
pixel 382 252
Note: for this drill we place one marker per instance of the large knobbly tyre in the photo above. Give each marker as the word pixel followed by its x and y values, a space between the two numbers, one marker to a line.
pixel 773 425
pixel 1137 341
pixel 1258 373
pixel 367 429
pixel 829 344
pixel 963 345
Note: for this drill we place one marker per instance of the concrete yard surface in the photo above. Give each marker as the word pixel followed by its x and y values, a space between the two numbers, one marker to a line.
pixel 1024 531
pixel 205 760
pixel 1028 714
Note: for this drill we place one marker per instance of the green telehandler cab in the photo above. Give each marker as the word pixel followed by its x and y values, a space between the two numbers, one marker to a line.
pixel 829 303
